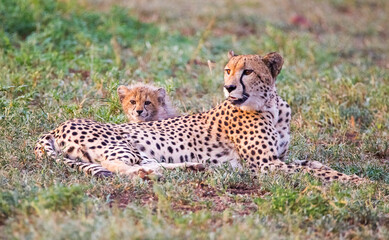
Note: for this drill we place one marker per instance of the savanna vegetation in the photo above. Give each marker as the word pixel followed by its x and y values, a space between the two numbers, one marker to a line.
pixel 64 59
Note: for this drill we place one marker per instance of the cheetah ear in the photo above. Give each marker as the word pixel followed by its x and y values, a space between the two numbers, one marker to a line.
pixel 231 54
pixel 122 92
pixel 274 62
pixel 161 93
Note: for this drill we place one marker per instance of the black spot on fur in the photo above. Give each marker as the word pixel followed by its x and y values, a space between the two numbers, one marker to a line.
pixel 170 149
pixel 71 149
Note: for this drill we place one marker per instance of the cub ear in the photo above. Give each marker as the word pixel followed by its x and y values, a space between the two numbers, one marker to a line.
pixel 231 54
pixel 122 92
pixel 161 93
pixel 274 62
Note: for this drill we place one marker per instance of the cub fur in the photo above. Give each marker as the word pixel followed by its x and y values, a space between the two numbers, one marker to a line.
pixel 143 103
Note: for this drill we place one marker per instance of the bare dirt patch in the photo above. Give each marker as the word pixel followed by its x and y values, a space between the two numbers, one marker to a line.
pixel 238 198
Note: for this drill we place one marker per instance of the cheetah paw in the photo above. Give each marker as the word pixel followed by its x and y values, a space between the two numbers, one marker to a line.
pixel 103 174
pixel 148 174
pixel 195 166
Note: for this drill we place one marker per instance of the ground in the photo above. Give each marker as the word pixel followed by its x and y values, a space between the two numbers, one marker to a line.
pixel 64 60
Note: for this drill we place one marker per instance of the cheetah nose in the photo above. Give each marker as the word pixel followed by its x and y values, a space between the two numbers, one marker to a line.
pixel 230 88
pixel 139 112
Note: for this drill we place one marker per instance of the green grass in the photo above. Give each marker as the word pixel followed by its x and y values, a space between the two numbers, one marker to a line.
pixel 62 60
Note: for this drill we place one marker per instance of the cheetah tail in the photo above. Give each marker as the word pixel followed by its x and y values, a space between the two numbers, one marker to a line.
pixel 319 170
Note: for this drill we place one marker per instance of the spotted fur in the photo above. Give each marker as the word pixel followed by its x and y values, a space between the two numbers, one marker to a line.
pixel 240 131
pixel 265 98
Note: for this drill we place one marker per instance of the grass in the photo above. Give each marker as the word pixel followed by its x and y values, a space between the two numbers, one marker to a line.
pixel 65 59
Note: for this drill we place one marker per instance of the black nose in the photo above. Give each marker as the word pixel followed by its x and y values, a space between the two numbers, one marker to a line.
pixel 230 88
pixel 139 112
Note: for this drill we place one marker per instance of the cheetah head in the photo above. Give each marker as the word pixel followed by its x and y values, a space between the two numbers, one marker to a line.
pixel 249 80
pixel 142 102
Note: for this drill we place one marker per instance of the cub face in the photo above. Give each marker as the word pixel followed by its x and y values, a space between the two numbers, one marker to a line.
pixel 142 102
pixel 249 80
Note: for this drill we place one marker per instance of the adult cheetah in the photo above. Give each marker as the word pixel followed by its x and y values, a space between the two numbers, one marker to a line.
pixel 272 103
pixel 240 131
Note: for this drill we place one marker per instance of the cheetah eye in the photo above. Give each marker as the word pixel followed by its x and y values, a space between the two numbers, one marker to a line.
pixel 247 72
pixel 133 102
pixel 228 71
pixel 147 103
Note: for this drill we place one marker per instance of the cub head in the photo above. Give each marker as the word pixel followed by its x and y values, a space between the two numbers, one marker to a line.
pixel 141 102
pixel 249 80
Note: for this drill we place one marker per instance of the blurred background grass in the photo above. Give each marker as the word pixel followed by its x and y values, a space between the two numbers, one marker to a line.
pixel 65 59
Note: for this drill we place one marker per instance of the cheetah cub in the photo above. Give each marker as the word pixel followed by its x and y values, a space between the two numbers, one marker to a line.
pixel 143 103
